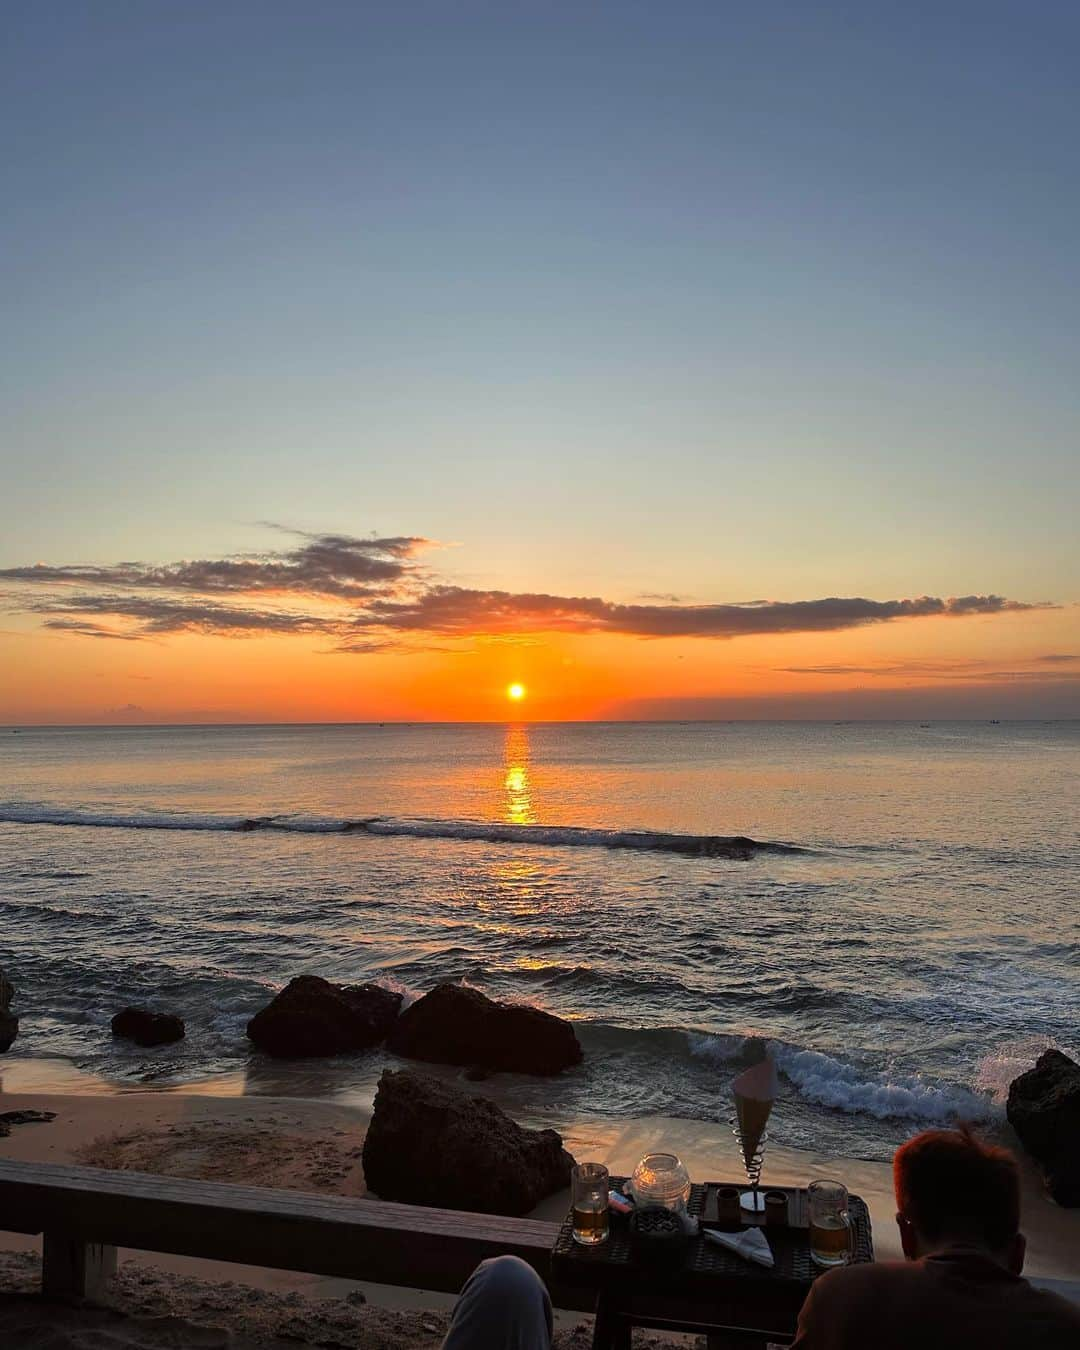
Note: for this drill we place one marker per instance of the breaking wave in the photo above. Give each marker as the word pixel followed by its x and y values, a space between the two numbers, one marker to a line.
pixel 827 1081
pixel 737 847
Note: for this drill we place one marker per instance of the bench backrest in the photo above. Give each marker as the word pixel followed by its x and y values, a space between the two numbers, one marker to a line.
pixel 287 1230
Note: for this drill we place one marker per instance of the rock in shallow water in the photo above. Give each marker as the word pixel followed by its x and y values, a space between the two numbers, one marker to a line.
pixel 430 1144
pixel 457 1025
pixel 147 1028
pixel 1044 1110
pixel 9 1023
pixel 9 1029
pixel 311 1016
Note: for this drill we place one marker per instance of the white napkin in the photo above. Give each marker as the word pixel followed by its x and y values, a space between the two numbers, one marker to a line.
pixel 751 1244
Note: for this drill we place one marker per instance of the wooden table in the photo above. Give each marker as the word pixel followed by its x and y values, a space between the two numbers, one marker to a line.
pixel 707 1289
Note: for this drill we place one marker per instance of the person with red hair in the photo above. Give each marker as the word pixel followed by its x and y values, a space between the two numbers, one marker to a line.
pixel 958 1210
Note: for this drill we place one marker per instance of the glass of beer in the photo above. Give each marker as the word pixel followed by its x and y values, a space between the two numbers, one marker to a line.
pixel 590 1200
pixel 830 1224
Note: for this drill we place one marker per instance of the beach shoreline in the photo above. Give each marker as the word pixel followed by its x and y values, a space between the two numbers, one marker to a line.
pixel 312 1144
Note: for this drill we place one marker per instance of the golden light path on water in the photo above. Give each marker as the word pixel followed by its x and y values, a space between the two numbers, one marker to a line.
pixel 519 804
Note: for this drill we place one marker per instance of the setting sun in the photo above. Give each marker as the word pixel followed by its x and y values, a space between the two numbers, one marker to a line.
pixel 515 692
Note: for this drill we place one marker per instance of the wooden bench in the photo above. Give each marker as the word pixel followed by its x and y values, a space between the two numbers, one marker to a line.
pixel 85 1214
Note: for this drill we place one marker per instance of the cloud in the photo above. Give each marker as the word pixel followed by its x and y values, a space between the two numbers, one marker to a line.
pixel 454 609
pixel 371 594
pixel 157 615
pixel 127 708
pixel 94 630
pixel 1049 698
pixel 325 564
pixel 1058 657
pixel 938 670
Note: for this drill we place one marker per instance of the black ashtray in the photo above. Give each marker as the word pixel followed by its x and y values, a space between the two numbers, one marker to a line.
pixel 657 1234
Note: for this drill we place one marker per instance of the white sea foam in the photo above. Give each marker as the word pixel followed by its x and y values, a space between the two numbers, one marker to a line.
pixel 827 1081
pixel 718 1048
pixel 998 1069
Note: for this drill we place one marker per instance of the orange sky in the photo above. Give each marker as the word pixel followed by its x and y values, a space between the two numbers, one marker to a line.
pixel 996 663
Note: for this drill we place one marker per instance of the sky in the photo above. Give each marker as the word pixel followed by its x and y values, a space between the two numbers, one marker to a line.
pixel 681 360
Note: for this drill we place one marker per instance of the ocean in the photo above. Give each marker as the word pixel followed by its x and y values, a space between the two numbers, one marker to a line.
pixel 906 938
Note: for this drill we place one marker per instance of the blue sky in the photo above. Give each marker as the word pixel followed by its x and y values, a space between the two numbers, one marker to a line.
pixel 728 301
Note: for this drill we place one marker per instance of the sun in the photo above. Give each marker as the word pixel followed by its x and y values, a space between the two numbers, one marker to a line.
pixel 515 692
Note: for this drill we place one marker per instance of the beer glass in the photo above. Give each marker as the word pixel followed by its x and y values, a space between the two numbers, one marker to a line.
pixel 589 1183
pixel 830 1224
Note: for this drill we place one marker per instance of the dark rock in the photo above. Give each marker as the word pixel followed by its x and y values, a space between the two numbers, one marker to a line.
pixel 457 1025
pixel 429 1143
pixel 9 1023
pixel 9 1118
pixel 1044 1110
pixel 311 1016
pixel 147 1028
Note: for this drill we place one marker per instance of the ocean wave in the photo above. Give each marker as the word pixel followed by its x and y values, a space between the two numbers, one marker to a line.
pixel 827 1081
pixel 31 910
pixel 32 875
pixel 737 847
pixel 815 1077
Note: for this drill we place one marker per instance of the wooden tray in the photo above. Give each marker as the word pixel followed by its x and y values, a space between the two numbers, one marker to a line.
pixel 797 1213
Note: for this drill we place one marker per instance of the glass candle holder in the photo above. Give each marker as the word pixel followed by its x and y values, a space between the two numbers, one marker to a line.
pixel 661 1179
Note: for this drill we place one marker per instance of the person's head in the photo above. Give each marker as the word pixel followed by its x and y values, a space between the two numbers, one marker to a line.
pixel 953 1189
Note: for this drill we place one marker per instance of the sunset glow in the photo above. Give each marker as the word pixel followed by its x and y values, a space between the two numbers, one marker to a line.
pixel 658 418
pixel 539 542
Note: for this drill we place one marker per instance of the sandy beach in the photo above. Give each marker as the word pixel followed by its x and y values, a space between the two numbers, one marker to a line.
pixel 315 1145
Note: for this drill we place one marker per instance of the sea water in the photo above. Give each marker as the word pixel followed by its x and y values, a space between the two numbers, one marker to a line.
pixel 905 935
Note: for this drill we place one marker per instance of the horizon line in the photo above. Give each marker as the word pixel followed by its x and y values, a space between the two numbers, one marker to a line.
pixel 540 722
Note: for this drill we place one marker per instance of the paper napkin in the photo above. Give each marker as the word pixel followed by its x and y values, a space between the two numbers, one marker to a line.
pixel 751 1244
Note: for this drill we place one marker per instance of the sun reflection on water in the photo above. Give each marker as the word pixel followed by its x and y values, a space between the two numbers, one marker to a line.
pixel 519 805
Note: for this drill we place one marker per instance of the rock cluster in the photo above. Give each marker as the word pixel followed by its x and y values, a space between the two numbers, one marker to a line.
pixel 9 1023
pixel 1044 1110
pixel 454 1024
pixel 147 1028
pixel 311 1016
pixel 431 1144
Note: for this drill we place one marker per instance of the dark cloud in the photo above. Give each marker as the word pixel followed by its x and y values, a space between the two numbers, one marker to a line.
pixel 326 564
pixel 1049 698
pixel 158 615
pixel 1058 657
pixel 453 609
pixel 937 670
pixel 86 629
pixel 371 595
